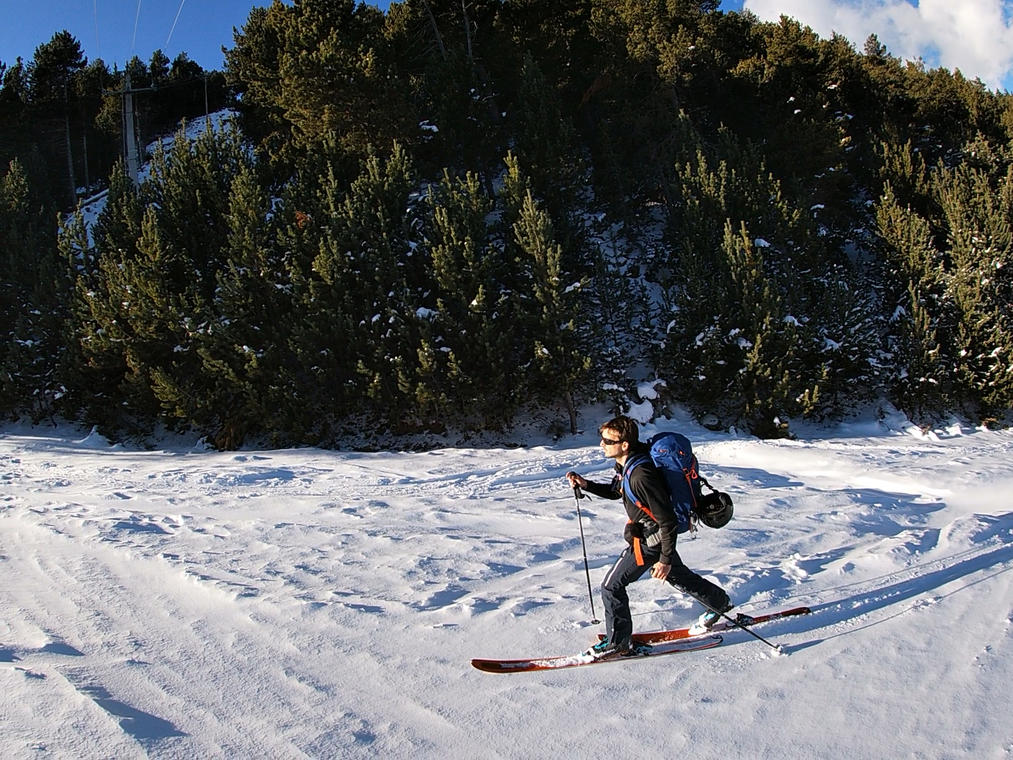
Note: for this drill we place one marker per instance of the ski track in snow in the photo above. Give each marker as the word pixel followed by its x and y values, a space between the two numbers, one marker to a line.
pixel 305 603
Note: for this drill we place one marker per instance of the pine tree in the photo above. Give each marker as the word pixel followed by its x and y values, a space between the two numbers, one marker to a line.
pixel 906 172
pixel 561 360
pixel 52 70
pixel 769 376
pixel 96 372
pixel 358 297
pixel 145 291
pixel 923 378
pixel 319 383
pixel 733 343
pixel 313 71
pixel 33 293
pixel 252 71
pixel 189 186
pixel 545 144
pixel 121 324
pixel 464 357
pixel 978 209
pixel 243 348
pixel 444 53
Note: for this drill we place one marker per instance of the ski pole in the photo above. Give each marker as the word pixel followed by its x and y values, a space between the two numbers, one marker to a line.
pixel 737 624
pixel 577 495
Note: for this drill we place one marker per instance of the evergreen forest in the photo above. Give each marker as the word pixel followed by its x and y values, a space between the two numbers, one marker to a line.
pixel 445 215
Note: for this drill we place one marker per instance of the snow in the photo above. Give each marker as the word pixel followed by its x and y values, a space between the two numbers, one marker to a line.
pixel 648 389
pixel 182 603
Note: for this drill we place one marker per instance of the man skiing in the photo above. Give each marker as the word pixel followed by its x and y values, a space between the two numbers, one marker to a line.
pixel 651 534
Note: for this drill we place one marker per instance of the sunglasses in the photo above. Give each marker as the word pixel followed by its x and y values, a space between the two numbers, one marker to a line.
pixel 609 441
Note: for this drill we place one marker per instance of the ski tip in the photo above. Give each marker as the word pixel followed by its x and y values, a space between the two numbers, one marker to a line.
pixel 487 666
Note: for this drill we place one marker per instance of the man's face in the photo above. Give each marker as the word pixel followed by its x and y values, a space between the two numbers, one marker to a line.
pixel 611 443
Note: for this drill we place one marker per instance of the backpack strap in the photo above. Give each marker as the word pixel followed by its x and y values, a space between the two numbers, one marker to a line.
pixel 632 464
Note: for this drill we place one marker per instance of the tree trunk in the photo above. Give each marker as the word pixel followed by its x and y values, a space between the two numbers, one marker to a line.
pixel 70 154
pixel 568 400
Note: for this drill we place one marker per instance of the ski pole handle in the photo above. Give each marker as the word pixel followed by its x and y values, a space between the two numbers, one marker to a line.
pixel 577 482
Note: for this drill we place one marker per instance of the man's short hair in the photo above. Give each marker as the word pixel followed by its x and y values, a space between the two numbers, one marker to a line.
pixel 626 427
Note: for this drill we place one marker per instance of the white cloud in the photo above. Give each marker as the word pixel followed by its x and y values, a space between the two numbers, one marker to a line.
pixel 975 36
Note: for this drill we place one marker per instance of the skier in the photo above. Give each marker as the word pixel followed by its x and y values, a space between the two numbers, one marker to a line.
pixel 650 533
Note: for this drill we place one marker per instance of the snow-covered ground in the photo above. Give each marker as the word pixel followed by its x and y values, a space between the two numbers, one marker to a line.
pixel 181 603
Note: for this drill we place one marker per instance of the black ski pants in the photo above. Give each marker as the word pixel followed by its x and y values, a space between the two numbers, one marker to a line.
pixel 619 620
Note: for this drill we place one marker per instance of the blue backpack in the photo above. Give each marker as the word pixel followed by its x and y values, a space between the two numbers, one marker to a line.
pixel 672 454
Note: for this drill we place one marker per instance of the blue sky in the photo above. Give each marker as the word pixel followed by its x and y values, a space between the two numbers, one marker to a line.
pixel 117 30
pixel 975 36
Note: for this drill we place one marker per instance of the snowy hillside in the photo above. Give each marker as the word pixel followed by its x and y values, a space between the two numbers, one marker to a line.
pixel 192 128
pixel 305 603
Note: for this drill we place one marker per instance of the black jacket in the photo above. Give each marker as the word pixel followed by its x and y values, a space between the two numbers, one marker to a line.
pixel 653 519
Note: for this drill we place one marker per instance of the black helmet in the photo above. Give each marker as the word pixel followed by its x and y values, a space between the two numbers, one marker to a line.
pixel 714 509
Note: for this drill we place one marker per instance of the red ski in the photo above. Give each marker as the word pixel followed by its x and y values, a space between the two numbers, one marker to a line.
pixel 654 637
pixel 579 660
